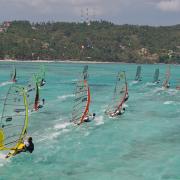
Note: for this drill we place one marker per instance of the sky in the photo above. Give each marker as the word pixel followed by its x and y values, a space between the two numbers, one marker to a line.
pixel 141 12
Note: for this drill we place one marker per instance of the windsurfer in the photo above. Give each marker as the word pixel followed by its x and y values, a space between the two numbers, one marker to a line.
pixel 43 82
pixel 41 105
pixel 29 145
pixel 26 146
pixel 118 112
pixel 90 118
pixel 122 111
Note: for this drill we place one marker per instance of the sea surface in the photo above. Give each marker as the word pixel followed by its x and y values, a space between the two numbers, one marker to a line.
pixel 142 144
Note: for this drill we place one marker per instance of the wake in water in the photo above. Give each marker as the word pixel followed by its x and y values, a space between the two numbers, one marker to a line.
pixel 133 82
pixel 54 132
pixel 150 84
pixel 64 97
pixel 169 102
pixel 99 120
pixel 62 125
pixel 5 83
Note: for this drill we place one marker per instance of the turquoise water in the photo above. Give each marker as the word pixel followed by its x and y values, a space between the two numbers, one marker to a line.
pixel 143 144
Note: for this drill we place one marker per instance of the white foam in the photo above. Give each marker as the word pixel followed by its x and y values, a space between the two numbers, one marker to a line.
pixel 55 135
pixel 62 125
pixel 158 89
pixel 133 82
pixel 87 133
pixel 99 120
pixel 150 84
pixel 74 80
pixel 172 91
pixel 3 160
pixel 2 156
pixel 125 105
pixel 64 97
pixel 168 102
pixel 5 83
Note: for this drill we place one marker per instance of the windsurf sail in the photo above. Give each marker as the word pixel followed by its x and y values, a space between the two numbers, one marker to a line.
pixel 82 99
pixel 120 95
pixel 14 118
pixel 33 95
pixel 166 82
pixel 36 101
pixel 40 77
pixel 138 74
pixel 156 76
pixel 13 75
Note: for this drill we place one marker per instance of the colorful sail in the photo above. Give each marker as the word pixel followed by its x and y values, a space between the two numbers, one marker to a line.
pixel 33 95
pixel 138 74
pixel 14 118
pixel 36 100
pixel 166 82
pixel 156 76
pixel 40 77
pixel 82 99
pixel 120 95
pixel 13 75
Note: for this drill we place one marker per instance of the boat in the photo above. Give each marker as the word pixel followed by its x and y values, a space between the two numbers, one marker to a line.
pixel 166 83
pixel 82 99
pixel 14 120
pixel 138 74
pixel 120 96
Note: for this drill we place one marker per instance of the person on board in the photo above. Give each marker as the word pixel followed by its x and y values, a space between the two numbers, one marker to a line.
pixel 118 112
pixel 43 103
pixel 90 118
pixel 122 111
pixel 29 145
pixel 26 146
pixel 43 82
pixel 157 82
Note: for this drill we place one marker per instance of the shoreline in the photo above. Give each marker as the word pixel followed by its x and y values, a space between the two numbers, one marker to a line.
pixel 61 61
pixel 73 61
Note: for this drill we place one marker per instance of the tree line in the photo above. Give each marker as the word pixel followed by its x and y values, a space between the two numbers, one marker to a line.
pixel 99 41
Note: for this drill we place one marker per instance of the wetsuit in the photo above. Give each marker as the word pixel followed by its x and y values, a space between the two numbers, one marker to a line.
pixel 29 146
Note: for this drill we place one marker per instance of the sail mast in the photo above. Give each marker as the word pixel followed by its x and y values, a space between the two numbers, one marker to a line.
pixel 167 77
pixel 14 119
pixel 82 99
pixel 119 96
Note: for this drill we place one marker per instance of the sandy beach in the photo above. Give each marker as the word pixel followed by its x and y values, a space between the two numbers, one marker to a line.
pixel 60 61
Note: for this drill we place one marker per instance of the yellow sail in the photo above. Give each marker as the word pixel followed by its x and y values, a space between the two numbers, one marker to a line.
pixel 14 118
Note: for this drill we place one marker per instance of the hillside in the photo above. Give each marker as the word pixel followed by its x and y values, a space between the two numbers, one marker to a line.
pixel 100 41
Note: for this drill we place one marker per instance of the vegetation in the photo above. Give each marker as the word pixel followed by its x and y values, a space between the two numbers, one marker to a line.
pixel 99 41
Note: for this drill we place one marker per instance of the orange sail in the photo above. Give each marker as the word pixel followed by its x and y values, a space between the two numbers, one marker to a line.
pixel 87 103
pixel 82 99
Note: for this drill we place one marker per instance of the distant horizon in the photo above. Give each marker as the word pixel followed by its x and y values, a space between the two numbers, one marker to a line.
pixel 59 21
pixel 135 12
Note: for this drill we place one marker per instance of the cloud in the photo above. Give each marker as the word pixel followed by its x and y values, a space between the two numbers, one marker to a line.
pixel 169 5
pixel 117 11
